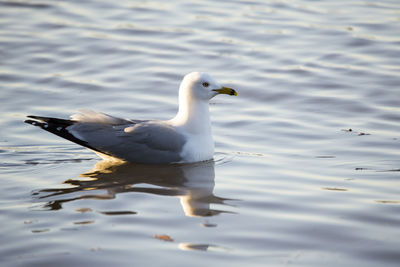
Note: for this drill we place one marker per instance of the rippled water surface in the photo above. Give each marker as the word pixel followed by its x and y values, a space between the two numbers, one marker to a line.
pixel 307 163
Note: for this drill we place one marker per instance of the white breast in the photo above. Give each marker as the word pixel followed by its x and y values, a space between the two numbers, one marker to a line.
pixel 198 148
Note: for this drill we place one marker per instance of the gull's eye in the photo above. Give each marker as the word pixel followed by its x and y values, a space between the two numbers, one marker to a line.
pixel 205 84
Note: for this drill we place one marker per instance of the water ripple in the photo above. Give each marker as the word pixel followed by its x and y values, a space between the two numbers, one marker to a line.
pixel 307 154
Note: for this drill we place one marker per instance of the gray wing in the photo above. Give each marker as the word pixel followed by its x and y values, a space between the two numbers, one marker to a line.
pixel 142 142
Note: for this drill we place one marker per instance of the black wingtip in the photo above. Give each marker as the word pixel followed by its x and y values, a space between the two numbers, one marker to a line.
pixel 35 117
pixel 49 120
pixel 58 127
pixel 32 122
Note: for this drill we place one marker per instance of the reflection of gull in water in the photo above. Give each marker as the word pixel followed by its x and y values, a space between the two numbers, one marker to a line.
pixel 192 183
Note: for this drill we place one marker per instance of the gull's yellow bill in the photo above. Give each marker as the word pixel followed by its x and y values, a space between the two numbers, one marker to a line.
pixel 226 90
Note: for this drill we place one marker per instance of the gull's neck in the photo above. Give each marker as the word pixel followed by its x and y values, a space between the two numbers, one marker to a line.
pixel 193 115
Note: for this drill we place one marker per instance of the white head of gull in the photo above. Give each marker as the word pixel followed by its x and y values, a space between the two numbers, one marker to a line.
pixel 193 117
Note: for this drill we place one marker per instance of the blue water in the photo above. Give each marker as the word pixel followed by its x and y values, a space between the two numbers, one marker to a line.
pixel 307 163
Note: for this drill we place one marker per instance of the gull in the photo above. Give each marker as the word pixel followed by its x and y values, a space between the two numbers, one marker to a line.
pixel 186 138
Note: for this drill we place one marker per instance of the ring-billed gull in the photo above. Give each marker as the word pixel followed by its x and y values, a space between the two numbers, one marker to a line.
pixel 185 138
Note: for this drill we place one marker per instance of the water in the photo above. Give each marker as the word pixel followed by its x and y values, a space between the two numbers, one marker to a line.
pixel 306 171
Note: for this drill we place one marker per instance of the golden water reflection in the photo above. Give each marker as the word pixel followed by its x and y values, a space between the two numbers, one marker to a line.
pixel 193 184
